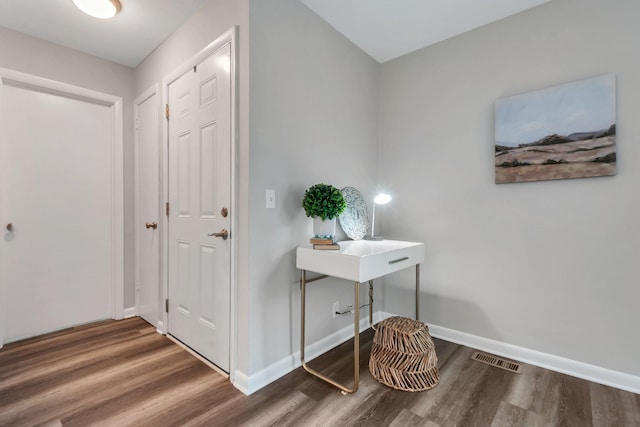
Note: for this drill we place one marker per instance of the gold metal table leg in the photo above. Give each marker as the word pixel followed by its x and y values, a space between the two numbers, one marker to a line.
pixel 417 291
pixel 356 338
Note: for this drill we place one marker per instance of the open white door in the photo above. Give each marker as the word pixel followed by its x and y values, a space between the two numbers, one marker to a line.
pixel 199 266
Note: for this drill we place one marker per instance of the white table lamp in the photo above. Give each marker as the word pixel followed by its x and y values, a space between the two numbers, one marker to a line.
pixel 380 199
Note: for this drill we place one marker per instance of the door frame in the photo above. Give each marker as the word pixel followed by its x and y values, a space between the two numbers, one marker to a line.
pixel 115 103
pixel 228 37
pixel 141 99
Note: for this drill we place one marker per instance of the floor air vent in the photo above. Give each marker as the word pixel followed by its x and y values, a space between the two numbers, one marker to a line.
pixel 497 362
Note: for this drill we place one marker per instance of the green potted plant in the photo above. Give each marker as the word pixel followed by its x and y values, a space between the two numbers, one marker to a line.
pixel 323 203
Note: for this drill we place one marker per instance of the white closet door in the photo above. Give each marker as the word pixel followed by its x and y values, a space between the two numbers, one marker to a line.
pixel 56 155
pixel 200 198
pixel 148 220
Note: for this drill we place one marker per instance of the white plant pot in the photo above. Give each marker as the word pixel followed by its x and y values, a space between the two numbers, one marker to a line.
pixel 324 228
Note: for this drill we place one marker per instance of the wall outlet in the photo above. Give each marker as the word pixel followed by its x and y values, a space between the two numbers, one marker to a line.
pixel 336 309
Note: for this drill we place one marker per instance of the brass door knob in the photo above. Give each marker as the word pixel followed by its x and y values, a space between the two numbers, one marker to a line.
pixel 223 233
pixel 9 227
pixel 153 225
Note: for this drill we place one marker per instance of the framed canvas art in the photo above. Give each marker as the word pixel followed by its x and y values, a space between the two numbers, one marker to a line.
pixel 566 131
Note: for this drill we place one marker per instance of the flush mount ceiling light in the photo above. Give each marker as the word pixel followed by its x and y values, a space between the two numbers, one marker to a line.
pixel 102 9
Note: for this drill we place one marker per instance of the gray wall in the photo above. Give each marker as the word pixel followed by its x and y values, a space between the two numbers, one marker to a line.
pixel 313 116
pixel 314 108
pixel 553 265
pixel 41 58
pixel 550 266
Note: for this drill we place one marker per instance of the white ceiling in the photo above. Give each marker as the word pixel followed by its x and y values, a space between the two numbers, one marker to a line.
pixel 385 29
pixel 127 39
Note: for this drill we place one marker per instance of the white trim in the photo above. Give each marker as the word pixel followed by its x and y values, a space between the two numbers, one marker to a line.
pixel 163 318
pixel 117 210
pixel 41 84
pixel 3 221
pixel 152 91
pixel 235 114
pixel 552 362
pixel 228 37
pixel 249 384
pixel 130 312
pixel 115 103
pixel 242 382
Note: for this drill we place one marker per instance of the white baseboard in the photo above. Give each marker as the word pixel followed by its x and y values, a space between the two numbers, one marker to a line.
pixel 552 362
pixel 160 328
pixel 241 382
pixel 249 384
pixel 129 312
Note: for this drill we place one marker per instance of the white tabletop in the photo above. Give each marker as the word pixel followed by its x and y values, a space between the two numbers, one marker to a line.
pixel 361 260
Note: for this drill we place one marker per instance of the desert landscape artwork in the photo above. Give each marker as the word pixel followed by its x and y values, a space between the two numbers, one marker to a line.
pixel 566 131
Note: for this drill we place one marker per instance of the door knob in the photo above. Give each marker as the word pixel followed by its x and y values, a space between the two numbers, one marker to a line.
pixel 9 227
pixel 153 225
pixel 222 233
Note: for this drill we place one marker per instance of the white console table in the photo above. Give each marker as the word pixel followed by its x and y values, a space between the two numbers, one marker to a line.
pixel 357 261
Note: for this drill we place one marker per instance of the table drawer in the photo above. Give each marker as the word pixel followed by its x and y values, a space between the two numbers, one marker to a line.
pixel 361 260
pixel 383 263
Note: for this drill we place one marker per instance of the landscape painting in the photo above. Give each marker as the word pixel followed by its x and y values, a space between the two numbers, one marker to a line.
pixel 566 131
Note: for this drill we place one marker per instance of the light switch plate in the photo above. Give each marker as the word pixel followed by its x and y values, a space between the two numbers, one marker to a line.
pixel 271 199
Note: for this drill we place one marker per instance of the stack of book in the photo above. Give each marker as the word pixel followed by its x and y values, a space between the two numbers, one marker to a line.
pixel 322 243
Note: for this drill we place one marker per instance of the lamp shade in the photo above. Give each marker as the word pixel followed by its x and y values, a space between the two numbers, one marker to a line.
pixel 382 199
pixel 102 9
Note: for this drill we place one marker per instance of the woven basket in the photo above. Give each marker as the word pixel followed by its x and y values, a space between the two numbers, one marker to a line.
pixel 403 355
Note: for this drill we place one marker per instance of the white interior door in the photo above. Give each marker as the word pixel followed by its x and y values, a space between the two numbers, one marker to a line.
pixel 200 196
pixel 147 208
pixel 56 166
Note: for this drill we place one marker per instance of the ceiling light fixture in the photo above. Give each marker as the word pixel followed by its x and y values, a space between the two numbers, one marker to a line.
pixel 103 9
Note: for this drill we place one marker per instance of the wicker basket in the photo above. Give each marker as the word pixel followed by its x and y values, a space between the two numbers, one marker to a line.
pixel 403 355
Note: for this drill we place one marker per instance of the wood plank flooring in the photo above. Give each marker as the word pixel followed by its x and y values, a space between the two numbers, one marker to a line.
pixel 122 373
